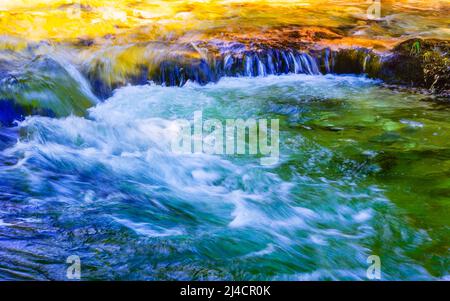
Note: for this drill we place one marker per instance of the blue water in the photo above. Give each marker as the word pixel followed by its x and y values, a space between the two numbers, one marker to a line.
pixel 107 188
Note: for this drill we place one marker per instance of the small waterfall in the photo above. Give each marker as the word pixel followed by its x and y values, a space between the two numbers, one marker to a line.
pixel 286 61
pixel 249 66
pixel 270 66
pixel 176 72
pixel 75 74
pixel 297 68
pixel 227 63
pixel 270 62
pixel 103 70
pixel 366 60
pixel 261 68
pixel 327 60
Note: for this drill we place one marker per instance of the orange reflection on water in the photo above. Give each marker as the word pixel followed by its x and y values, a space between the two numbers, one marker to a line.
pixel 132 20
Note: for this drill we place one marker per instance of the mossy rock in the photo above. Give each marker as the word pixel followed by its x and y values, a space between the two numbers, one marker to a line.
pixel 419 63
pixel 354 61
pixel 350 61
pixel 42 87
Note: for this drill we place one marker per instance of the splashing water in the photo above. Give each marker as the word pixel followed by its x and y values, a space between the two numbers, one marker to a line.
pixel 357 169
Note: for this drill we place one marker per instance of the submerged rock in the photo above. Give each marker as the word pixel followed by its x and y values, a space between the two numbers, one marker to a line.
pixel 43 86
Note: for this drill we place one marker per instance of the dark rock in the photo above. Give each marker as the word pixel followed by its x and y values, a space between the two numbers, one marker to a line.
pixel 419 63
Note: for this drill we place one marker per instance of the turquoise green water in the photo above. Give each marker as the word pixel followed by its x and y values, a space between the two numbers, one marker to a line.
pixel 363 171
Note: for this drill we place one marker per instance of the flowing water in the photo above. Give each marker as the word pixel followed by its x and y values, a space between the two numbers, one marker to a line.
pixel 363 170
pixel 137 21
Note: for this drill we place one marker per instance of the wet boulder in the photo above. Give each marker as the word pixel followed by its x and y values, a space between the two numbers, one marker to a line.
pixel 419 63
pixel 43 86
pixel 356 61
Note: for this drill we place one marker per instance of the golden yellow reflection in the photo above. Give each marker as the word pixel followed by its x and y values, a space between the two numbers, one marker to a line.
pixel 133 20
